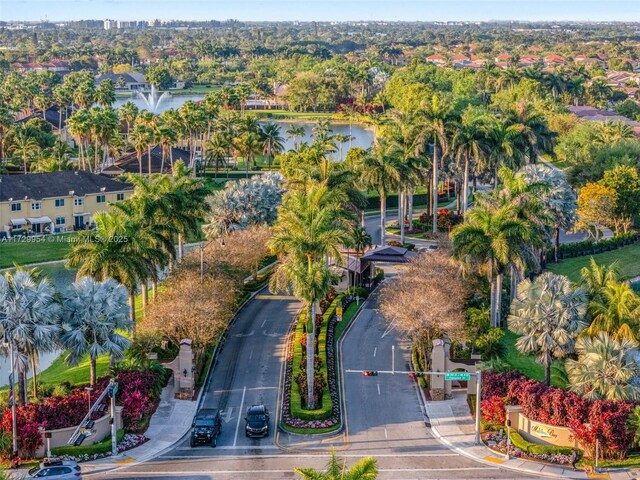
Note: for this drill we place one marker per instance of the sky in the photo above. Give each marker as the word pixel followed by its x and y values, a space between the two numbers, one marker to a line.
pixel 322 10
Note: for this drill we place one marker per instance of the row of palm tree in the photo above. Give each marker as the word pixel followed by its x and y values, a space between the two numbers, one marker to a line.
pixel 89 318
pixel 136 241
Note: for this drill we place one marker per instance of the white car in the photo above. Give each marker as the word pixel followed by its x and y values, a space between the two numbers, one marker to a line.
pixel 57 470
pixel 427 249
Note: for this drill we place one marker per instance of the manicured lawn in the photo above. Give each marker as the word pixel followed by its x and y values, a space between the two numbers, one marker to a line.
pixel 628 259
pixel 40 249
pixel 525 364
pixel 59 371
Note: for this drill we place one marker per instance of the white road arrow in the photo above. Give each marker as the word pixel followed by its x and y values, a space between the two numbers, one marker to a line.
pixel 245 334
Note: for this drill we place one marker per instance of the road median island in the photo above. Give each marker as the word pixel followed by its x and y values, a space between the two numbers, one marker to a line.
pixel 328 417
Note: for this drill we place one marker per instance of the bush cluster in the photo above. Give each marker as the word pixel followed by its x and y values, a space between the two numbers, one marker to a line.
pixel 589 419
pixel 589 247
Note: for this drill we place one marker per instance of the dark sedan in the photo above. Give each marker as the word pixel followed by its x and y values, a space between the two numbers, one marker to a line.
pixel 257 421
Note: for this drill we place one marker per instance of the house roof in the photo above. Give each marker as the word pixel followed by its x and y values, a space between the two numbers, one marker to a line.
pixel 460 57
pixel 36 186
pixel 436 57
pixel 131 77
pixel 51 116
pixel 128 163
pixel 388 254
pixel 554 59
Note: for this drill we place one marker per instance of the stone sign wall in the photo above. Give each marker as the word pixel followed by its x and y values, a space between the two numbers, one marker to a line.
pixel 538 432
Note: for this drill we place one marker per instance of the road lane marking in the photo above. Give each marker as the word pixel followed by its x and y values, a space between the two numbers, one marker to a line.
pixel 241 335
pixel 248 389
pixel 235 438
pixel 378 385
pixel 263 322
pixel 494 460
pixel 375 350
pixel 386 436
pixel 251 354
pixel 125 461
pixel 275 297
pixel 190 473
pixel 286 455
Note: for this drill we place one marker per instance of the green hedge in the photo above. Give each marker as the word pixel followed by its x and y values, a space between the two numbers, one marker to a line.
pixel 589 247
pixel 97 448
pixel 417 366
pixel 535 448
pixel 296 399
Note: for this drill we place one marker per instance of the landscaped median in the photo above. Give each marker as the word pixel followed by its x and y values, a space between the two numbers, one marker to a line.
pixel 327 417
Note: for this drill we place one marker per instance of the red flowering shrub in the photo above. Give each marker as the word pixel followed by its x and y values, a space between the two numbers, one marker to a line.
pixel 493 409
pixel 497 384
pixel 589 419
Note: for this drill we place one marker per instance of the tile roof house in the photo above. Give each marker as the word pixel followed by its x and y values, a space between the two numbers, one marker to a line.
pixel 436 59
pixel 553 60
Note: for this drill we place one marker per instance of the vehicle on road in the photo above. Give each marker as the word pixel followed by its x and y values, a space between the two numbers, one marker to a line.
pixel 206 427
pixel 56 470
pixel 427 249
pixel 257 421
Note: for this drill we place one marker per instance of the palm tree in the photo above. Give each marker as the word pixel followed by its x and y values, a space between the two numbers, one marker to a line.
pixel 295 132
pixel 548 314
pixel 311 283
pixel 128 113
pixel 469 142
pixel 488 242
pixel 504 137
pixel 595 278
pixel 615 310
pixel 380 173
pixel 438 114
pixel 309 231
pixel 140 138
pixel 29 317
pixel 167 136
pixel 79 126
pixel 365 469
pixel 94 312
pixel 248 145
pixel 605 368
pixel 536 134
pixel 272 141
pixel 24 147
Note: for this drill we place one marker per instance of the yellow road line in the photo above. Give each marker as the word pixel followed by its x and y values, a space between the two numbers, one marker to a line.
pixel 598 475
pixel 126 460
pixel 494 460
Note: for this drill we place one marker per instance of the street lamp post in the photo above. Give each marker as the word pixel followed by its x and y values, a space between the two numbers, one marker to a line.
pixel 89 390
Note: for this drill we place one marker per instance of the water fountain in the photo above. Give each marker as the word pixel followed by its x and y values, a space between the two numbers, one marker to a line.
pixel 152 100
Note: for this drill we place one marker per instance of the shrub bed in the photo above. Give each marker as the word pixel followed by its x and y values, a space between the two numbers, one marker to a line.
pixel 126 441
pixel 521 448
pixel 138 393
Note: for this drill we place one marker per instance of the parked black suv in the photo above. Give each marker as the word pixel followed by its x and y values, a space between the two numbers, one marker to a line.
pixel 257 421
pixel 206 427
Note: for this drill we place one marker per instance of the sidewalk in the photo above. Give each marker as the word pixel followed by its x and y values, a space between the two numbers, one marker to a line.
pixel 171 420
pixel 452 424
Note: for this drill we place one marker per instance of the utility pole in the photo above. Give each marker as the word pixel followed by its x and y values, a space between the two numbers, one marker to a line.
pixel 114 427
pixel 478 393
pixel 14 420
pixel 393 359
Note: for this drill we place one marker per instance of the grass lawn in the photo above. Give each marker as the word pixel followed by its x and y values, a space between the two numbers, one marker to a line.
pixel 525 364
pixel 39 249
pixel 59 371
pixel 628 262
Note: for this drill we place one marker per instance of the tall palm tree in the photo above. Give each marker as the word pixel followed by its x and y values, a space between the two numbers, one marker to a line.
pixel 79 126
pixel 437 115
pixel 272 141
pixel 504 138
pixel 248 146
pixel 488 242
pixel 365 469
pixel 309 231
pixel 547 313
pixel 536 134
pixel 24 147
pixel 93 314
pixel 29 318
pixel 605 368
pixel 380 173
pixel 128 113
pixel 140 138
pixel 595 278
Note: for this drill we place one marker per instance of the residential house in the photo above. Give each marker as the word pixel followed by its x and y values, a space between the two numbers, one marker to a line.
pixel 554 60
pixel 55 202
pixel 55 118
pixel 128 163
pixel 132 81
pixel 460 60
pixel 437 59
pixel 593 114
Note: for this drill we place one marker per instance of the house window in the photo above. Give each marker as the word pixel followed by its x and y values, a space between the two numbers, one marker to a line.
pixel 16 207
pixel 100 199
pixel 59 202
pixel 60 221
pixel 120 196
pixel 35 206
pixel 78 202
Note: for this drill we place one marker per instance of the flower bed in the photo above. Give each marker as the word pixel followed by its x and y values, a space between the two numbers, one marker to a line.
pixel 100 450
pixel 326 418
pixel 520 448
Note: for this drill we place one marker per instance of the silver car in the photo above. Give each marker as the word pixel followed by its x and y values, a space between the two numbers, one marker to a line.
pixel 57 470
